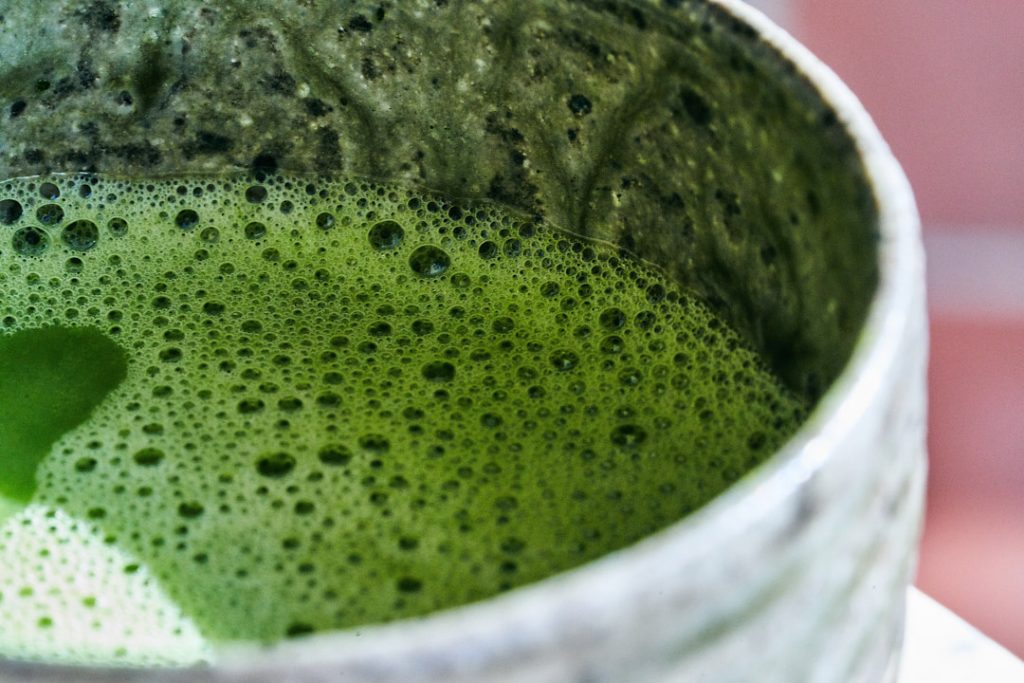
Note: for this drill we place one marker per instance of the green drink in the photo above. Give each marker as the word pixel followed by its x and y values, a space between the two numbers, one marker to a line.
pixel 627 247
pixel 253 410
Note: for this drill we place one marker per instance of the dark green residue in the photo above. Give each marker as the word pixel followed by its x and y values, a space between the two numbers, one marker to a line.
pixel 51 379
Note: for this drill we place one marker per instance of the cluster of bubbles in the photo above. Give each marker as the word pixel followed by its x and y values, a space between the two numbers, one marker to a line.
pixel 349 402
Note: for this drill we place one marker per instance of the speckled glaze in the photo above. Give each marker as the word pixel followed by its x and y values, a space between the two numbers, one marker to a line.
pixel 694 133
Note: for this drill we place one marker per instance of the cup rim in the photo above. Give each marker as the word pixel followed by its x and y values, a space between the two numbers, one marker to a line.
pixel 741 506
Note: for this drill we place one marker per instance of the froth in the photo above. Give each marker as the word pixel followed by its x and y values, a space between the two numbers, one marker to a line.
pixel 70 597
pixel 347 403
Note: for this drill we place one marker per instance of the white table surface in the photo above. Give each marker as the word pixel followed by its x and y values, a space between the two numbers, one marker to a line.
pixel 943 648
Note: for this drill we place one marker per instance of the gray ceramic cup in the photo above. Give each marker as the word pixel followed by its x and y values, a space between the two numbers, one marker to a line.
pixel 694 133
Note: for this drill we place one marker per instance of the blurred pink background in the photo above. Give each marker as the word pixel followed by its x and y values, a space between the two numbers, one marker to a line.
pixel 944 80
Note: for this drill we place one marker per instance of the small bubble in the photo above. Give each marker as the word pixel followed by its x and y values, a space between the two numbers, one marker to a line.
pixel 250 405
pixel 645 320
pixel 550 290
pixel 439 371
pixel 429 261
pixel 564 360
pixel 290 405
pixel 85 464
pixel 407 584
pixel 213 308
pixel 506 503
pixel 328 399
pixel 325 221
pixel 612 319
pixel 335 455
pixel 186 219
pixel 386 235
pixel 30 241
pixel 422 327
pixel 304 507
pixel 628 436
pixel 375 443
pixel 513 546
pixel 630 377
pixel 190 510
pixel 612 345
pixel 275 465
pixel 255 230
pixel 170 355
pixel 655 294
pixel 118 227
pixel 255 194
pixel 488 250
pixel 49 191
pixel 50 214
pixel 81 235
pixel 10 211
pixel 210 236
pixel 148 457
pixel 503 325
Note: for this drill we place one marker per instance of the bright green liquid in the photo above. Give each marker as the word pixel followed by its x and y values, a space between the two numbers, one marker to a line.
pixel 309 408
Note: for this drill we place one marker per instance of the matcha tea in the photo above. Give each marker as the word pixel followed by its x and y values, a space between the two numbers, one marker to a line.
pixel 238 410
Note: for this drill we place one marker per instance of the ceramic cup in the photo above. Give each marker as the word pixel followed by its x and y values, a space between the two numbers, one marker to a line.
pixel 694 133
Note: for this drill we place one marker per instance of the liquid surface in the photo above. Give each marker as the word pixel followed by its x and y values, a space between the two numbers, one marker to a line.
pixel 54 378
pixel 321 404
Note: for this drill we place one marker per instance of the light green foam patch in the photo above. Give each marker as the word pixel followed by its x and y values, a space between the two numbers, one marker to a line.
pixel 63 601
pixel 348 403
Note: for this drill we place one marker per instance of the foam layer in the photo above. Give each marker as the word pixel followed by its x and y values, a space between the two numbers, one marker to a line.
pixel 71 597
pixel 347 403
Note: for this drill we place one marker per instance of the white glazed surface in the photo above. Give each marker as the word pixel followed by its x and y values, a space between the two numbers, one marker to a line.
pixel 798 573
